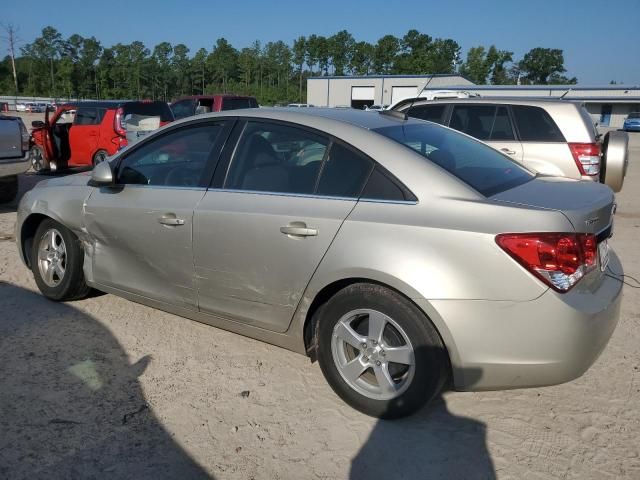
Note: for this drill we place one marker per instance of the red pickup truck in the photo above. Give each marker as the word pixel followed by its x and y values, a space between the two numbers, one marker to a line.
pixel 197 104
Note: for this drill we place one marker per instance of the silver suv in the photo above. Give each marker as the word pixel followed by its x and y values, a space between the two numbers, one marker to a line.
pixel 552 137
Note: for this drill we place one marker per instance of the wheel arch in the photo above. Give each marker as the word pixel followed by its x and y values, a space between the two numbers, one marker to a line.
pixel 324 294
pixel 28 232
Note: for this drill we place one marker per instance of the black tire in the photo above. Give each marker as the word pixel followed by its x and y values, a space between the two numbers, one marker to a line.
pixel 72 285
pixel 38 161
pixel 99 157
pixel 8 189
pixel 431 369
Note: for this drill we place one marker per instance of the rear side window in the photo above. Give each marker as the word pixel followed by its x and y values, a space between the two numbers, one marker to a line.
pixel 473 162
pixel 432 113
pixel 535 125
pixel 237 103
pixel 382 186
pixel 89 116
pixel 149 109
pixel 276 158
pixel 183 108
pixel 344 172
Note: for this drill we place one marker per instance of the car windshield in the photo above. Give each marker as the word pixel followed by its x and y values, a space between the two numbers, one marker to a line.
pixel 473 162
pixel 634 115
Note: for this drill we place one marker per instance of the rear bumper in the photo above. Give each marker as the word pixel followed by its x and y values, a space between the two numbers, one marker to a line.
pixel 553 339
pixel 14 166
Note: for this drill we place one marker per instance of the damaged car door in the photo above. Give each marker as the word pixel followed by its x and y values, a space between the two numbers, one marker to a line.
pixel 141 227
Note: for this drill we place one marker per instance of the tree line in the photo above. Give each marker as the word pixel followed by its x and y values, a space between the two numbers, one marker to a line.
pixel 274 72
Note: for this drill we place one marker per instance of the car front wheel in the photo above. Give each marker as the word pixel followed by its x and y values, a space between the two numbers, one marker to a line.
pixel 379 352
pixel 56 261
pixel 38 161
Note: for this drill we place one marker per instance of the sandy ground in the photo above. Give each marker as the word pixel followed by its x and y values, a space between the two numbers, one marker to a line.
pixel 106 388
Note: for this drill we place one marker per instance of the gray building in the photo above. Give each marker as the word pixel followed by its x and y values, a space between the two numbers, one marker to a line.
pixel 358 92
pixel 608 105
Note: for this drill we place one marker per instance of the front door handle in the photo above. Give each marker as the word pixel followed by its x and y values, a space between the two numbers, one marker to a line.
pixel 171 220
pixel 299 229
pixel 508 151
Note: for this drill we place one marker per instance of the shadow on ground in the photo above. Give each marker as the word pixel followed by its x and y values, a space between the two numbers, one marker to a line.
pixel 432 444
pixel 71 405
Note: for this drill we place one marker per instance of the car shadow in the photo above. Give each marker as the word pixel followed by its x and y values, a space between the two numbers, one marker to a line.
pixel 71 403
pixel 434 443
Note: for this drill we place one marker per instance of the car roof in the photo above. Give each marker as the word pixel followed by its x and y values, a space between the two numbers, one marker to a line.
pixel 502 100
pixel 210 97
pixel 310 116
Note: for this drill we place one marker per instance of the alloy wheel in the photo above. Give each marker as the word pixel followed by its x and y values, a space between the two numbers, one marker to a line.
pixel 52 257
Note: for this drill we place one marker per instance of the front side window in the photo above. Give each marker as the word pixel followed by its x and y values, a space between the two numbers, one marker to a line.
pixel 276 158
pixel 473 162
pixel 176 159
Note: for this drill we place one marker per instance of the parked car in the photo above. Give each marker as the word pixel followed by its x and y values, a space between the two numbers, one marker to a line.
pixel 632 122
pixel 14 155
pixel 198 104
pixel 396 252
pixel 552 137
pixel 376 108
pixel 21 107
pixel 299 105
pixel 85 133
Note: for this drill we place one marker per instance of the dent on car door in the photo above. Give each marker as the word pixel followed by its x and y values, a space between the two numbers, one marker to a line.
pixel 141 228
pixel 258 240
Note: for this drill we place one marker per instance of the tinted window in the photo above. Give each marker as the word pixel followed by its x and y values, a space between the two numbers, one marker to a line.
pixel 502 128
pixel 634 115
pixel 89 116
pixel 433 113
pixel 276 158
pixel 183 109
pixel 176 159
pixel 381 186
pixel 476 164
pixel 236 103
pixel 474 120
pixel 149 109
pixel 344 172
pixel 535 125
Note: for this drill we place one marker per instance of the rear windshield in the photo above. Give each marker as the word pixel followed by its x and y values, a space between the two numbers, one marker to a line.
pixel 473 162
pixel 237 103
pixel 149 109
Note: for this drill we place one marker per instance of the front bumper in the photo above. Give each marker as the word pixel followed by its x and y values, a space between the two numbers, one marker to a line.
pixel 14 166
pixel 552 339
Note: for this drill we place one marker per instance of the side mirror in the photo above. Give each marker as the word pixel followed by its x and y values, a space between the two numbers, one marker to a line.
pixel 37 124
pixel 102 174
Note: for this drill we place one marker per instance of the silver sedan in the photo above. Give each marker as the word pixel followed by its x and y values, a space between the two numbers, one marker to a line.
pixel 400 254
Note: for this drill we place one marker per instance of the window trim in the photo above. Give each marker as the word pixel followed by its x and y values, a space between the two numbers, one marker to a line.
pixel 211 164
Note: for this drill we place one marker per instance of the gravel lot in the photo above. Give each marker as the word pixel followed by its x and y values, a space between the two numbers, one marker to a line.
pixel 107 388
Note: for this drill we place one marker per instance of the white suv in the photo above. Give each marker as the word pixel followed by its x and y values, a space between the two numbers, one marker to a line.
pixel 552 137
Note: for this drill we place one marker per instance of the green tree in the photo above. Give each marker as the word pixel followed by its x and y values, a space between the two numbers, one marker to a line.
pixel 362 58
pixel 299 51
pixel 539 64
pixel 384 54
pixel 223 62
pixel 341 47
pixel 180 64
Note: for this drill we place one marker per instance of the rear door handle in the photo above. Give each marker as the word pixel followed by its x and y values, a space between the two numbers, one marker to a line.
pixel 170 219
pixel 508 151
pixel 299 229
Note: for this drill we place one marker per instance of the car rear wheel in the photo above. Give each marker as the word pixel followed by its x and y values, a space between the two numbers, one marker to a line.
pixel 56 262
pixel 379 352
pixel 38 161
pixel 99 157
pixel 615 159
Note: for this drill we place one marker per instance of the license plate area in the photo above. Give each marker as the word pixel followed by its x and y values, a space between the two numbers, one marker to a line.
pixel 603 254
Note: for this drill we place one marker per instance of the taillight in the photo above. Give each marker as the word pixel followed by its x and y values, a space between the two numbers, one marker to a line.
pixel 587 157
pixel 26 138
pixel 558 259
pixel 117 123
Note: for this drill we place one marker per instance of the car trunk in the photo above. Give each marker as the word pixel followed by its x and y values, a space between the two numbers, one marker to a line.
pixel 589 206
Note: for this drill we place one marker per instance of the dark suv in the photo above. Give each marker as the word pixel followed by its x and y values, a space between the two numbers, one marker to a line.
pixel 197 104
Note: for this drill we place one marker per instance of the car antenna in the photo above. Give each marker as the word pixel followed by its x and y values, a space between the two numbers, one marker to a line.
pixel 404 115
pixel 565 94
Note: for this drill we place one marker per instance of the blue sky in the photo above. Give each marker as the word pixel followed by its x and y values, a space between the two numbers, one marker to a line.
pixel 601 42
